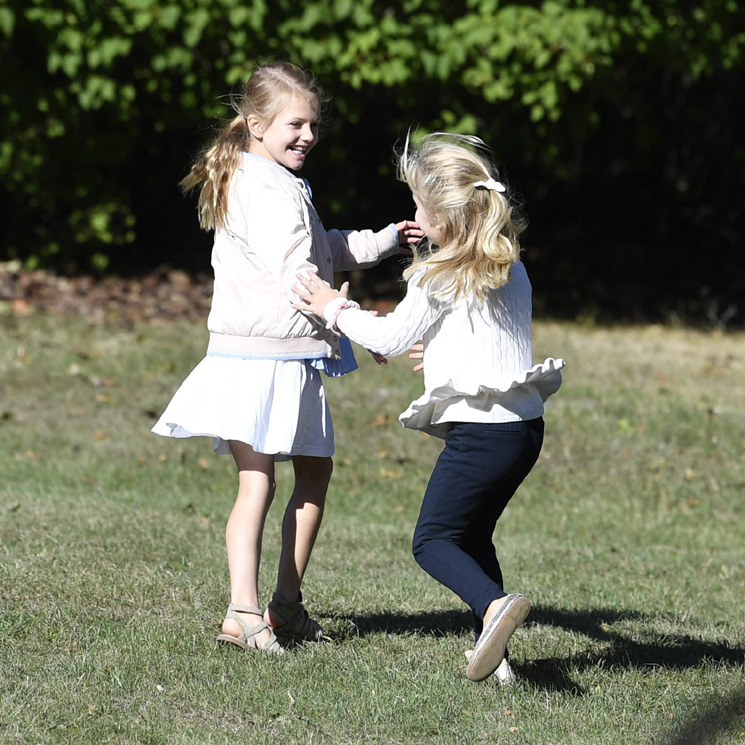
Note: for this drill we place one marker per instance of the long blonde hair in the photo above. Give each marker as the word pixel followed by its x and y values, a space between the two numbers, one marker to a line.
pixel 479 227
pixel 266 93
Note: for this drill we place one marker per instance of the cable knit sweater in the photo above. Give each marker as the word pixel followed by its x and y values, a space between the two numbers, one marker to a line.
pixel 478 364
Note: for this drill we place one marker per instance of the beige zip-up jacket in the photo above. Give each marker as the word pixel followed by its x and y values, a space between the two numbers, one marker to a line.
pixel 272 234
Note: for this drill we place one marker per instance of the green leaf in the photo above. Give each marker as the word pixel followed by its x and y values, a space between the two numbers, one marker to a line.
pixel 197 21
pixel 7 21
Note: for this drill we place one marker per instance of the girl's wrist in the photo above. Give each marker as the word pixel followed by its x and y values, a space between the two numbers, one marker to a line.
pixel 332 310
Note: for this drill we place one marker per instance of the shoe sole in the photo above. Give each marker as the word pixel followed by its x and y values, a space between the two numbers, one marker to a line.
pixel 234 641
pixel 489 651
pixel 230 639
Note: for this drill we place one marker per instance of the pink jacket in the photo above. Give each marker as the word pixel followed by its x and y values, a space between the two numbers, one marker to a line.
pixel 272 234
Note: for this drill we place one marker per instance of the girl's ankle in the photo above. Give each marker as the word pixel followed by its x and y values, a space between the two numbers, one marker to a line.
pixel 284 602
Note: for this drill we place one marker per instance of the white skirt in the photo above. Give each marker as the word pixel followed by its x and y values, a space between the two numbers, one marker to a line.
pixel 278 407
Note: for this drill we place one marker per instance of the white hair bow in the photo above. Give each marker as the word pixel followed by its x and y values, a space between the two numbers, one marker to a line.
pixel 491 185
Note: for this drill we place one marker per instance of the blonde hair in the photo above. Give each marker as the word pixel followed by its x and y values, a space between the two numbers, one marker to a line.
pixel 269 89
pixel 478 226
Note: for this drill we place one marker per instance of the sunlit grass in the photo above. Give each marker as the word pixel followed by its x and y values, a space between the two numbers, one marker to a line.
pixel 627 537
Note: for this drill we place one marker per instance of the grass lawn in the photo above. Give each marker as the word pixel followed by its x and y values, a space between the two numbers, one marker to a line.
pixel 627 537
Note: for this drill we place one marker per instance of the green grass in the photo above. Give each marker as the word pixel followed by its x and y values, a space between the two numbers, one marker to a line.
pixel 627 537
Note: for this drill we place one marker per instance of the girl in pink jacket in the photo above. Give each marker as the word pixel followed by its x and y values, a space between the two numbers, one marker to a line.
pixel 258 392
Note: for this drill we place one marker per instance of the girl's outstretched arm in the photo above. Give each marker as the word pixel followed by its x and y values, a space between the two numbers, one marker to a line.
pixel 317 294
pixel 390 335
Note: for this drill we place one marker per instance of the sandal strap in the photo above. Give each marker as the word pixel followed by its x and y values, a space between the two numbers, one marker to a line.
pixel 308 628
pixel 233 608
pixel 285 609
pixel 249 632
pixel 297 622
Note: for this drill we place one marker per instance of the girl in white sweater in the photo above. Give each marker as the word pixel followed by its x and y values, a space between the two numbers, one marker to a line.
pixel 468 297
pixel 258 393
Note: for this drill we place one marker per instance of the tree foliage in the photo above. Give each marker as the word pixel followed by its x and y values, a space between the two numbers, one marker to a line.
pixel 617 120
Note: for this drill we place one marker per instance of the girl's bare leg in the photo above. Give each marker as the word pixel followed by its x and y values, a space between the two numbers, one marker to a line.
pixel 300 525
pixel 245 529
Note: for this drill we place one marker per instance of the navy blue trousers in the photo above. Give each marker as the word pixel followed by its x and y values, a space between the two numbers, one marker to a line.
pixel 476 475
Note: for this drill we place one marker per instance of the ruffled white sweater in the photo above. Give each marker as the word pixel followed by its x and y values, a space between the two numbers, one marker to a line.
pixel 478 358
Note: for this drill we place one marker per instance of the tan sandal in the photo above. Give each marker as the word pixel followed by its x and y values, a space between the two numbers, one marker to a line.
pixel 247 640
pixel 297 625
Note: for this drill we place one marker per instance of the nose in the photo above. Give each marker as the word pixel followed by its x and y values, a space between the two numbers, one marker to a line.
pixel 308 133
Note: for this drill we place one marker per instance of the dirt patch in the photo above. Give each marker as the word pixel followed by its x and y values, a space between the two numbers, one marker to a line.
pixel 165 294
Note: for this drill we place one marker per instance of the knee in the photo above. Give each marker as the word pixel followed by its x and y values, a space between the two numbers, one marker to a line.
pixel 418 546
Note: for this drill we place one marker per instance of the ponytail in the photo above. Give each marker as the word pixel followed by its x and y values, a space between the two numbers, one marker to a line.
pixel 213 172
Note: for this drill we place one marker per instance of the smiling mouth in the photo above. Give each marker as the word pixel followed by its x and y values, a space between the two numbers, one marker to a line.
pixel 299 150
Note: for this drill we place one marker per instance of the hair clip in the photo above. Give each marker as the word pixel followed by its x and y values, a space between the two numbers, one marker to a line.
pixel 491 185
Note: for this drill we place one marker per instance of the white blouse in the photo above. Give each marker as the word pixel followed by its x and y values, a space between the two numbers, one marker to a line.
pixel 478 358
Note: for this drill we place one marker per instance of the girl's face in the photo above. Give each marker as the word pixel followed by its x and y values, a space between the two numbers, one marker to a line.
pixel 426 222
pixel 289 137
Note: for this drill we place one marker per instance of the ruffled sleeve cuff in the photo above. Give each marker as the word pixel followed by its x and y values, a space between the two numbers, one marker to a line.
pixel 334 308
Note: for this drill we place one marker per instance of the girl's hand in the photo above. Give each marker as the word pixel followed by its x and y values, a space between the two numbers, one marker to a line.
pixel 379 358
pixel 316 294
pixel 417 353
pixel 408 232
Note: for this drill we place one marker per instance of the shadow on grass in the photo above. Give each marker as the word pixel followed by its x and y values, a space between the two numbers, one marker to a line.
pixel 704 726
pixel 614 648
pixel 619 649
pixel 437 623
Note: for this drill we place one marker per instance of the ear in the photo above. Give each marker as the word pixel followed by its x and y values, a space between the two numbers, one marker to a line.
pixel 255 126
